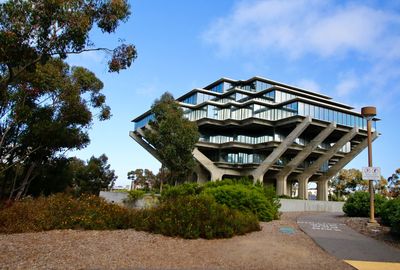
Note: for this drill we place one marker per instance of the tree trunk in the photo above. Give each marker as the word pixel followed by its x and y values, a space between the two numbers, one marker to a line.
pixel 24 184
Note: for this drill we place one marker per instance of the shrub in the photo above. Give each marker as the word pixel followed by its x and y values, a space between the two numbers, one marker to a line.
pixel 193 216
pixel 390 214
pixel 181 190
pixel 134 195
pixel 185 216
pixel 62 211
pixel 243 197
pixel 357 204
pixel 239 194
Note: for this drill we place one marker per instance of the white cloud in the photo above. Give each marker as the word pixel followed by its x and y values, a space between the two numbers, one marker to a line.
pixel 347 84
pixel 87 58
pixel 303 26
pixel 309 85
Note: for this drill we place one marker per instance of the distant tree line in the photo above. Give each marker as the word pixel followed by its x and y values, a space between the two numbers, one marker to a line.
pixel 349 181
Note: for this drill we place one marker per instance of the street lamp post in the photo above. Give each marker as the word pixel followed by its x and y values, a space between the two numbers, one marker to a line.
pixel 368 113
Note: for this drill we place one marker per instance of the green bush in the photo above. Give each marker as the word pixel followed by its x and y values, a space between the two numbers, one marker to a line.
pixel 246 198
pixel 193 216
pixel 239 194
pixel 134 195
pixel 172 192
pixel 63 211
pixel 357 204
pixel 185 216
pixel 390 214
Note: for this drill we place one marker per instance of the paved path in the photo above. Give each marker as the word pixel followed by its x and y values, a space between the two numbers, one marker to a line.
pixel 329 232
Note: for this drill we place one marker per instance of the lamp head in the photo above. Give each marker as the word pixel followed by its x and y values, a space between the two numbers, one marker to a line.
pixel 368 112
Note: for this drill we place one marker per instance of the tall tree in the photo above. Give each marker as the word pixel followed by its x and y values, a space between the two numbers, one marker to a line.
pixel 92 176
pixel 143 178
pixel 347 181
pixel 45 106
pixel 173 136
pixel 394 184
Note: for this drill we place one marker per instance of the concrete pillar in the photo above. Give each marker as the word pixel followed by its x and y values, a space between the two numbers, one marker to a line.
pixel 216 175
pixel 289 185
pixel 303 188
pixel 281 185
pixel 202 175
pixel 322 190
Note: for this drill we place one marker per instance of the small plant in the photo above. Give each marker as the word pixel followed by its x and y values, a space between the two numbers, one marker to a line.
pixel 134 195
pixel 357 204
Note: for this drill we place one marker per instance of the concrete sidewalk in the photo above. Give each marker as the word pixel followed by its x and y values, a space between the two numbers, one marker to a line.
pixel 329 232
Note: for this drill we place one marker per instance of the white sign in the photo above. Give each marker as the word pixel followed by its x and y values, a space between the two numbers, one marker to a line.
pixel 371 173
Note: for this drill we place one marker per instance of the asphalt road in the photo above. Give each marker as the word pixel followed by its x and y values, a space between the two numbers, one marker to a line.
pixel 343 242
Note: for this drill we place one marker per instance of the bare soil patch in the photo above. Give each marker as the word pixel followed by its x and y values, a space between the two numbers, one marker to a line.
pixel 130 249
pixel 381 233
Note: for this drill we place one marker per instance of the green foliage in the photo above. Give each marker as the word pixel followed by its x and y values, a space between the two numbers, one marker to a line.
pixel 357 205
pixel 185 216
pixel 46 106
pixel 394 184
pixel 92 176
pixel 238 194
pixel 73 175
pixel 134 195
pixel 245 198
pixel 347 181
pixel 197 216
pixel 63 211
pixel 143 178
pixel 390 214
pixel 172 192
pixel 173 136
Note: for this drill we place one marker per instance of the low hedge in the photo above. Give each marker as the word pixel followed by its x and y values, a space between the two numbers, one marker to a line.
pixel 186 216
pixel 192 216
pixel 63 211
pixel 240 194
pixel 390 214
pixel 357 204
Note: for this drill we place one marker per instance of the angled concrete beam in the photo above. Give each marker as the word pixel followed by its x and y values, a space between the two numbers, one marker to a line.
pixel 346 159
pixel 216 173
pixel 258 173
pixel 307 150
pixel 145 145
pixel 313 168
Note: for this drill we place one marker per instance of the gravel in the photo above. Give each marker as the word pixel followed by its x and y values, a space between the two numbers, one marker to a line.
pixel 130 249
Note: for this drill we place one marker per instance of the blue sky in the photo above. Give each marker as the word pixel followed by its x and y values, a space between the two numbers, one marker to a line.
pixel 348 50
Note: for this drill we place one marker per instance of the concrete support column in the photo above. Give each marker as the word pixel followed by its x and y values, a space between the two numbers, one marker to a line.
pixel 281 186
pixel 202 176
pixel 322 190
pixel 216 175
pixel 289 185
pixel 303 188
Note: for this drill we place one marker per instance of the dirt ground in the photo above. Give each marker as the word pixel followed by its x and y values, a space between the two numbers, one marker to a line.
pixel 129 249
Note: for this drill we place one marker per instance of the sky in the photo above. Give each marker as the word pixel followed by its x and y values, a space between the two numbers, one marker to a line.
pixel 348 50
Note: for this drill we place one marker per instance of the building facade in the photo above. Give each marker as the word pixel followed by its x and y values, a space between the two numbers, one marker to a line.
pixel 272 132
